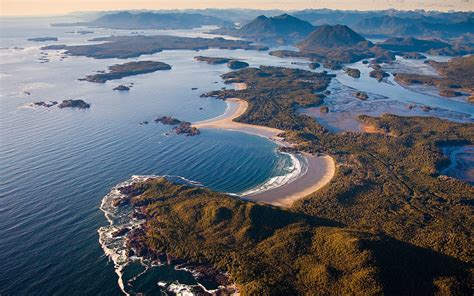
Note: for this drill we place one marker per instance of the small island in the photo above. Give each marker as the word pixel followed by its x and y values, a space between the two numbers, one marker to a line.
pixel 236 65
pixel 42 39
pixel 122 88
pixel 181 127
pixel 128 69
pixel 361 95
pixel 79 104
pixel 355 73
pixel 213 60
pixel 378 74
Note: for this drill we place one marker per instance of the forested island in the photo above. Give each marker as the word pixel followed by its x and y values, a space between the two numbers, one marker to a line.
pixel 124 47
pixel 120 71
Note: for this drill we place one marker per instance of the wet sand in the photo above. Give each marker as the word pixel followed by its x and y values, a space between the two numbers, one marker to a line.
pixel 321 169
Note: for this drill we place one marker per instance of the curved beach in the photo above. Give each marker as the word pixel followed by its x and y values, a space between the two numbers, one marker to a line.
pixel 320 170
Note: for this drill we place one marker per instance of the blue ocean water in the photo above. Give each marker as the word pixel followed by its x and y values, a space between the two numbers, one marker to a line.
pixel 57 165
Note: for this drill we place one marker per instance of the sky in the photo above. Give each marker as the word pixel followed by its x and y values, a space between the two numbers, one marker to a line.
pixel 57 7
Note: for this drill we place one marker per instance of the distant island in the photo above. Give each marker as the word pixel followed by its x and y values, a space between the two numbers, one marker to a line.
pixel 456 77
pixel 127 69
pixel 124 47
pixel 431 46
pixel 42 39
pixel 213 60
pixel 151 20
pixel 79 104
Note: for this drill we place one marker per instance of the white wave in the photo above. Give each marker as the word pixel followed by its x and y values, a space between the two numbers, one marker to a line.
pixel 298 167
pixel 120 217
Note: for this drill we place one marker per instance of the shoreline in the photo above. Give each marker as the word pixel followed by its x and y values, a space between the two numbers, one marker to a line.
pixel 320 169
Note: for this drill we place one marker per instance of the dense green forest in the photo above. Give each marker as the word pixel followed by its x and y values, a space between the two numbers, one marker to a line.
pixel 387 223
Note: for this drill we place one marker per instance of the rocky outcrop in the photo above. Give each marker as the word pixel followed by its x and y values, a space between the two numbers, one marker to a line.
pixel 363 96
pixel 122 88
pixel 236 65
pixel 185 128
pixel 79 104
pixel 45 104
pixel 168 120
pixel 378 74
pixel 353 72
pixel 314 65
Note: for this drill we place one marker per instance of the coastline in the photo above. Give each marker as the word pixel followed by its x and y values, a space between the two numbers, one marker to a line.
pixel 320 169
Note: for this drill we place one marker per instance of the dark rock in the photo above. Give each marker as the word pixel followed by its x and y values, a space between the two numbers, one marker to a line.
pixel 122 88
pixel 378 74
pixel 168 120
pixel 236 65
pixel 45 104
pixel 194 88
pixel 353 72
pixel 314 65
pixel 361 95
pixel 120 232
pixel 80 104
pixel 185 128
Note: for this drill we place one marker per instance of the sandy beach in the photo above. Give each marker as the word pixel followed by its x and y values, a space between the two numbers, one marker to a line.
pixel 321 169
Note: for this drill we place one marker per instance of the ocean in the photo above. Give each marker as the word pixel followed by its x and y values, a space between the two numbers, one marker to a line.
pixel 56 166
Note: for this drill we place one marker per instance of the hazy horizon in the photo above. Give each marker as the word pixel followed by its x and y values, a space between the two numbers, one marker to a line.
pixel 58 7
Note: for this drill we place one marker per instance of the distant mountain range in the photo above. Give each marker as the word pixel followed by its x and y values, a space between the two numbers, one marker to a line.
pixel 396 26
pixel 279 29
pixel 150 20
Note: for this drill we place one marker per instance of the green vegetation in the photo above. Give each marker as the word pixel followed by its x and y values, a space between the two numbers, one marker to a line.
pixel 124 47
pixel 269 251
pixel 273 93
pixel 387 223
pixel 456 74
pixel 120 71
